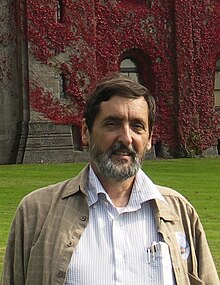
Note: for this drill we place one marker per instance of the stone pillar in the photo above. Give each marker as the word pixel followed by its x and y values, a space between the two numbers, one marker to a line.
pixel 9 86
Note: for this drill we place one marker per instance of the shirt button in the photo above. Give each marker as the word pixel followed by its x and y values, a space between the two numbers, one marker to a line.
pixel 83 218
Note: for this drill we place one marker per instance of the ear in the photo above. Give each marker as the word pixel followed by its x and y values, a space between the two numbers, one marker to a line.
pixel 85 133
pixel 149 143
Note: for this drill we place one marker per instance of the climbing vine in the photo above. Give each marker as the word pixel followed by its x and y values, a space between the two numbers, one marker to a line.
pixel 174 43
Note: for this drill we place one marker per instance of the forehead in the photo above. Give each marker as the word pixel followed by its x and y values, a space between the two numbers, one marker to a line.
pixel 124 107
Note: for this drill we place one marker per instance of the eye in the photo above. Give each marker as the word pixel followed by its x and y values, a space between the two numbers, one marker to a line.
pixel 112 124
pixel 138 127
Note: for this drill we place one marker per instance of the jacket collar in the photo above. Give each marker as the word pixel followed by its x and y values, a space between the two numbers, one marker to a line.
pixel 165 212
pixel 76 184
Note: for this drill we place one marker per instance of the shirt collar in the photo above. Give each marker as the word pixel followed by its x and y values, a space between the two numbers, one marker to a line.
pixel 80 183
pixel 143 190
pixel 94 188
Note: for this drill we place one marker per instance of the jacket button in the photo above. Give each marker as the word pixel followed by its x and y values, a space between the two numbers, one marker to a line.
pixel 70 243
pixel 83 218
pixel 60 274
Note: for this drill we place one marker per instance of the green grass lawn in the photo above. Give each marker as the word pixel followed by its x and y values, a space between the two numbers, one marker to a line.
pixel 196 179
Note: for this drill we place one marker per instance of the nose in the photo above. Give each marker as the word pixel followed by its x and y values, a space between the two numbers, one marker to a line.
pixel 125 135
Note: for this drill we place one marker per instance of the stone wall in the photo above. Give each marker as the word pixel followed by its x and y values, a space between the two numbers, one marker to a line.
pixel 50 143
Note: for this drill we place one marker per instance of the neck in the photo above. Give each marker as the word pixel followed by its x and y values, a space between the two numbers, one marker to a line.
pixel 118 191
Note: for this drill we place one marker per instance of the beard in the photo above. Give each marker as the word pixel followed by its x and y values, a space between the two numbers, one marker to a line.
pixel 115 170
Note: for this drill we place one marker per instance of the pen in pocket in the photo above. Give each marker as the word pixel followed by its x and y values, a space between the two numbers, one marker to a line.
pixel 151 251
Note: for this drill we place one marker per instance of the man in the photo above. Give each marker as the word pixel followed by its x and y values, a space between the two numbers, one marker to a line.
pixel 110 225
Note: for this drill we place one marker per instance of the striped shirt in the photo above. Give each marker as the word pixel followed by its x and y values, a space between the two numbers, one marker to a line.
pixel 115 248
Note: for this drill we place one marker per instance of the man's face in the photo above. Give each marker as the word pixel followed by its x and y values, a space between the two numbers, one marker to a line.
pixel 119 138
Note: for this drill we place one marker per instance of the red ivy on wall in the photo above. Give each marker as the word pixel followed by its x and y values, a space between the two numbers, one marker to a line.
pixel 49 41
pixel 198 38
pixel 175 45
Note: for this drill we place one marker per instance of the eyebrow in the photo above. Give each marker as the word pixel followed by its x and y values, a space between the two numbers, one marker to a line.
pixel 113 118
pixel 120 118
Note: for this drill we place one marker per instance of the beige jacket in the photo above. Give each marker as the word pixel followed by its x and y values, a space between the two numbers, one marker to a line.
pixel 50 221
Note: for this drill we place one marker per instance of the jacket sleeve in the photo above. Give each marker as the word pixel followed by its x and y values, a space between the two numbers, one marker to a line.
pixel 13 267
pixel 24 231
pixel 206 267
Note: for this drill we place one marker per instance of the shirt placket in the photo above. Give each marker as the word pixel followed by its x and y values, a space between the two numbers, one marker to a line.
pixel 119 254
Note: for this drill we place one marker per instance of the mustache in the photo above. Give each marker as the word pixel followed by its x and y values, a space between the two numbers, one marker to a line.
pixel 119 146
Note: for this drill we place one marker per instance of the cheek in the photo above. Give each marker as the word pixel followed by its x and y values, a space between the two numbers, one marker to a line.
pixel 103 140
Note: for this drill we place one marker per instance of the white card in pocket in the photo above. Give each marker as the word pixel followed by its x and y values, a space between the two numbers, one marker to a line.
pixel 158 256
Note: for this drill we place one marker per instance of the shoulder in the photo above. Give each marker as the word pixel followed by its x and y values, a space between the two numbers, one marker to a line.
pixel 47 206
pixel 169 192
pixel 52 195
pixel 180 204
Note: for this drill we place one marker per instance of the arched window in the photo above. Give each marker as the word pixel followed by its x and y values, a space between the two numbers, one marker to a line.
pixel 59 11
pixel 217 86
pixel 129 68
